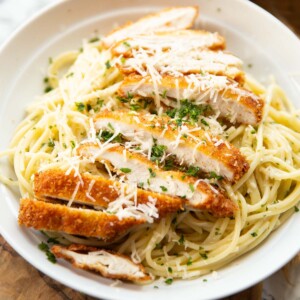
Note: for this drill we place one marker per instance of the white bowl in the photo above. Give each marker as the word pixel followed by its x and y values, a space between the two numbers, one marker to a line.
pixel 253 34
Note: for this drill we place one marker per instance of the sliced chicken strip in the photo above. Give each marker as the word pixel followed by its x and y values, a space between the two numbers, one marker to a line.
pixel 199 194
pixel 225 97
pixel 96 191
pixel 191 145
pixel 170 19
pixel 177 63
pixel 108 263
pixel 85 222
pixel 187 40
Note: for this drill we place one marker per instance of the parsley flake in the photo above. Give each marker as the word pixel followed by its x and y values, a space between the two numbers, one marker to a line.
pixel 169 281
pixel 107 64
pixel 125 170
pixel 181 240
pixel 152 173
pixel 189 262
pixel 192 188
pixel 215 175
pixel 163 188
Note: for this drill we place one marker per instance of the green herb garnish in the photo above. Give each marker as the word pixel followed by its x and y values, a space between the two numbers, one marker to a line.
pixel 204 255
pixel 152 173
pixel 215 176
pixel 107 64
pixel 125 170
pixel 169 281
pixel 48 89
pixel 51 143
pixel 163 188
pixel 80 106
pixel 157 152
pixel 94 39
pixel 192 188
pixel 181 240
pixel 45 248
pixel 192 171
pixel 204 122
pixel 189 262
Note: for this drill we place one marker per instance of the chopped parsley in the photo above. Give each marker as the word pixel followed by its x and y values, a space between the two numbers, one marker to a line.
pixel 125 170
pixel 155 287
pixel 181 240
pixel 80 106
pixel 51 143
pixel 169 163
pixel 106 135
pixel 170 270
pixel 215 176
pixel 253 131
pixel 45 248
pixel 204 255
pixel 188 111
pixel 48 89
pixel 126 44
pixel 94 39
pixel 107 64
pixel 192 188
pixel 296 208
pixel 254 234
pixel 135 107
pixel 52 241
pixel 110 126
pixel 164 94
pixel 163 188
pixel 152 173
pixel 204 122
pixel 70 75
pixel 157 152
pixel 189 262
pixel 73 144
pixel 169 281
pixel 192 171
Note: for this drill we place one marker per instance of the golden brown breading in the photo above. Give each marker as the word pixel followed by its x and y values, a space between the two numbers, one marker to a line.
pixel 85 222
pixel 165 41
pixel 213 150
pixel 54 183
pixel 181 65
pixel 155 23
pixel 79 255
pixel 198 194
pixel 233 102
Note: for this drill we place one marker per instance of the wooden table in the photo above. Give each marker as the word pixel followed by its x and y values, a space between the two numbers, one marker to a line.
pixel 19 280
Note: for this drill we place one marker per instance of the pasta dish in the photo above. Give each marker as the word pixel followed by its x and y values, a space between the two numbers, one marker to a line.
pixel 152 154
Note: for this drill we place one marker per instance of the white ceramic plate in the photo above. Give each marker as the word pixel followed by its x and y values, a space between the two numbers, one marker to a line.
pixel 257 37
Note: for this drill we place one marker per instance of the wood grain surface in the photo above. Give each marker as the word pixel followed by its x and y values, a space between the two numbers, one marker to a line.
pixel 20 281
